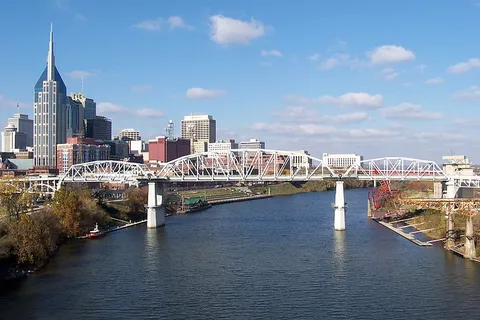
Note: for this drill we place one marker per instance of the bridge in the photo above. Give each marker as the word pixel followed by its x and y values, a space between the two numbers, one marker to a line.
pixel 250 165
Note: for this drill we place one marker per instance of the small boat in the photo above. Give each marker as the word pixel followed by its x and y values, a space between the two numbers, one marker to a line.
pixel 96 233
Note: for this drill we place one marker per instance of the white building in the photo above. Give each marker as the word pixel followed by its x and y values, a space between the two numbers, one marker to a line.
pixel 130 134
pixel 23 124
pixel 302 160
pixel 252 144
pixel 49 113
pixel 222 146
pixel 341 160
pixel 137 146
pixel 12 139
pixel 201 130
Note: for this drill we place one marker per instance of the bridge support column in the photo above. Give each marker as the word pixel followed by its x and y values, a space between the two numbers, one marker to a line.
pixel 469 240
pixel 450 241
pixel 339 205
pixel 451 190
pixel 155 209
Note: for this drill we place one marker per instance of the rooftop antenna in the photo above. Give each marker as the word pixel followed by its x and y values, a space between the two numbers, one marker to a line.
pixel 18 107
pixel 170 130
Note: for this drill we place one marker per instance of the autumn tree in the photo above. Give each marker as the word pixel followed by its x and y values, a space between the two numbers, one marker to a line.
pixel 34 237
pixel 136 200
pixel 77 211
pixel 13 200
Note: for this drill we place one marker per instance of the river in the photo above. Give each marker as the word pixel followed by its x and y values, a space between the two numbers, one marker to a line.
pixel 276 258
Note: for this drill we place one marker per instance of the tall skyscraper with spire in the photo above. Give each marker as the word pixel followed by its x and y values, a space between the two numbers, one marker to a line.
pixel 49 113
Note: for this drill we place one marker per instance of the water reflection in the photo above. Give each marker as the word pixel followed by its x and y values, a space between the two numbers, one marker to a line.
pixel 339 248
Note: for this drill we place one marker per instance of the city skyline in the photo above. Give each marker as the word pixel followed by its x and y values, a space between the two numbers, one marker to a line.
pixel 316 83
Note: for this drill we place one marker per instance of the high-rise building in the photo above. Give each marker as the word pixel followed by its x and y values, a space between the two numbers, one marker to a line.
pixel 12 139
pixel 252 144
pixel 89 109
pixel 129 134
pixel 99 128
pixel 49 113
pixel 23 124
pixel 201 130
pixel 75 126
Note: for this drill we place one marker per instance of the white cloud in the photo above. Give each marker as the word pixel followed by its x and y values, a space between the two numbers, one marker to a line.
pixel 274 53
pixel 114 108
pixel 148 113
pixel 141 88
pixel 467 122
pixel 464 66
pixel 301 129
pixel 79 74
pixel 354 99
pixel 369 133
pixel 471 93
pixel 158 24
pixel 176 22
pixel 109 107
pixel 225 30
pixel 338 60
pixel 437 80
pixel 306 114
pixel 409 111
pixel 438 136
pixel 388 74
pixel 200 93
pixel 314 57
pixel 421 68
pixel 390 54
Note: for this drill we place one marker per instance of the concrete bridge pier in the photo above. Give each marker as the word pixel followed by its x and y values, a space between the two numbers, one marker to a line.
pixel 155 208
pixel 451 191
pixel 339 205
pixel 450 241
pixel 469 240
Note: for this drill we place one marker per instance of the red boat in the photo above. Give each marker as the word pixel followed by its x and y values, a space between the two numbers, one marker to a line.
pixel 96 233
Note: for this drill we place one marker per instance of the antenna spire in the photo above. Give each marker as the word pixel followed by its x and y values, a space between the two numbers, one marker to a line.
pixel 18 107
pixel 51 58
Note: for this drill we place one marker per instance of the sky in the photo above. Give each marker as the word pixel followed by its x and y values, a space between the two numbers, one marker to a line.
pixel 377 78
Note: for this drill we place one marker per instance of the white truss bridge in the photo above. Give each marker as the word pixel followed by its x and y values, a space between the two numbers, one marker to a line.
pixel 254 165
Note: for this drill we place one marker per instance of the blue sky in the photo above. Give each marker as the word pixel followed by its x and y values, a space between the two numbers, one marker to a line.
pixel 378 78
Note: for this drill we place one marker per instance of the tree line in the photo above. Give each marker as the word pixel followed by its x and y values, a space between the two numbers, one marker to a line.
pixel 32 237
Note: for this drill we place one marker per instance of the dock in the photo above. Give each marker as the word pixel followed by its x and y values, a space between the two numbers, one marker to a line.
pixel 407 236
pixel 127 225
pixel 238 199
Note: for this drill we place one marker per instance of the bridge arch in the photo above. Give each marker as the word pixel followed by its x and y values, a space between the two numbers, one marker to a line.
pixel 396 168
pixel 105 171
pixel 246 165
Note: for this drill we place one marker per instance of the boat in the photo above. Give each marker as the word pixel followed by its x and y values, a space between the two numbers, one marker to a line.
pixel 96 233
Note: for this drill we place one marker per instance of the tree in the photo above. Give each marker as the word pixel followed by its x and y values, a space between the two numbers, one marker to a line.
pixel 77 211
pixel 34 237
pixel 136 199
pixel 14 202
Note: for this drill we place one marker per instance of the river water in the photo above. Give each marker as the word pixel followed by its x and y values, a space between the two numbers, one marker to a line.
pixel 276 258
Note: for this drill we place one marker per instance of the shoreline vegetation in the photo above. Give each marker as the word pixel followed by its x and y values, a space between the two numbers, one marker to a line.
pixel 29 239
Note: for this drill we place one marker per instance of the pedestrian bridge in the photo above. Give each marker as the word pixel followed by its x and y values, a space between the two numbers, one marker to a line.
pixel 252 165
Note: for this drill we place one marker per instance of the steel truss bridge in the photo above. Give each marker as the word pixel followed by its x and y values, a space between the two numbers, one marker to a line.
pixel 249 165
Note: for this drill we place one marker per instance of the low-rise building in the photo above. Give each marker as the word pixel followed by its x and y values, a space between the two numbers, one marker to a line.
pixel 78 150
pixel 251 144
pixel 222 146
pixel 341 161
pixel 302 160
pixel 162 149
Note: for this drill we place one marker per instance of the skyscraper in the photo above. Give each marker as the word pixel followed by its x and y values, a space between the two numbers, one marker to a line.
pixel 49 113
pixel 23 124
pixel 89 105
pixel 201 130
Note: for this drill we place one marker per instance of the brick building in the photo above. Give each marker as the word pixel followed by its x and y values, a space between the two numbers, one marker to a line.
pixel 78 150
pixel 163 149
